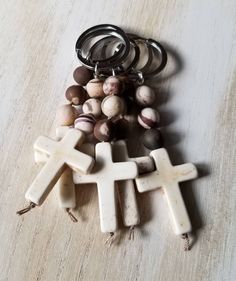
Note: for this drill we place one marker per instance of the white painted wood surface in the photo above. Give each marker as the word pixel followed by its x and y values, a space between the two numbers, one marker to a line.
pixel 197 103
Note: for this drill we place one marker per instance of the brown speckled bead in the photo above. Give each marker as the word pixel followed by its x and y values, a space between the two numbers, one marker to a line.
pixel 82 75
pixel 103 130
pixel 76 94
pixel 66 115
pixel 112 86
pixel 129 93
pixel 78 108
pixel 129 87
pixel 121 128
pixel 152 139
pixel 95 88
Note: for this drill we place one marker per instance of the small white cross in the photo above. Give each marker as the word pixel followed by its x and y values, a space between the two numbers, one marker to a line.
pixel 105 173
pixel 41 157
pixel 60 153
pixel 65 186
pixel 126 189
pixel 168 177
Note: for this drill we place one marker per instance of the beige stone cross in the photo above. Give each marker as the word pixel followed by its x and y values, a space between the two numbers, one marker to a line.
pixel 168 177
pixel 105 173
pixel 61 154
pixel 126 189
pixel 65 186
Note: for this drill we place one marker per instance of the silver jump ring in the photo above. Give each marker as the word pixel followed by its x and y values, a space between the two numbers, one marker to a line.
pixel 155 47
pixel 108 41
pixel 118 50
pixel 103 29
pixel 138 74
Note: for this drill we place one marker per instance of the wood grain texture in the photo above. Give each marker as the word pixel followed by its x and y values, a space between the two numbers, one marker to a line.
pixel 197 102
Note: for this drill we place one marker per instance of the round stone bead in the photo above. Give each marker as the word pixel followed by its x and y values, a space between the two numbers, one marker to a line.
pixel 112 86
pixel 76 94
pixel 78 108
pixel 144 96
pixel 131 119
pixel 129 87
pixel 92 106
pixel 85 123
pixel 82 75
pixel 95 88
pixel 152 139
pixel 103 130
pixel 121 128
pixel 148 118
pixel 113 106
pixel 66 115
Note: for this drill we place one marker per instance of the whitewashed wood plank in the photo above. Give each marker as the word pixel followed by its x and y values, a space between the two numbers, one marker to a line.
pixel 197 106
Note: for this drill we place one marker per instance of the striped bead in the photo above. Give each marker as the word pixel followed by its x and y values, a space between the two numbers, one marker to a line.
pixel 92 106
pixel 85 123
pixel 148 118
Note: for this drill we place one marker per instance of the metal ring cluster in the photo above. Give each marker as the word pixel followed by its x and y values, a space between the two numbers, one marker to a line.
pixel 107 49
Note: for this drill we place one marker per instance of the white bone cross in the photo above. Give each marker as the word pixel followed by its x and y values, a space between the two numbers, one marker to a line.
pixel 104 174
pixel 65 185
pixel 60 153
pixel 126 189
pixel 168 177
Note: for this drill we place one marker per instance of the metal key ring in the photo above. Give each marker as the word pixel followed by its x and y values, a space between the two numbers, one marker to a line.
pixel 103 56
pixel 156 47
pixel 103 29
pixel 152 46
pixel 118 50
pixel 105 63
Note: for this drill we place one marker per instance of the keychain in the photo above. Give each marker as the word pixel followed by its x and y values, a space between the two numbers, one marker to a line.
pixel 110 98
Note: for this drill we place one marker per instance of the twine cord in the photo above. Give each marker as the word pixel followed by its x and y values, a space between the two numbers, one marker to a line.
pixel 131 233
pixel 186 242
pixel 72 217
pixel 27 209
pixel 110 239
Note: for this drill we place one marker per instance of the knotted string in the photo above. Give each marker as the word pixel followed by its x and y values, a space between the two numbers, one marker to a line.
pixel 186 242
pixel 110 239
pixel 131 233
pixel 72 217
pixel 27 209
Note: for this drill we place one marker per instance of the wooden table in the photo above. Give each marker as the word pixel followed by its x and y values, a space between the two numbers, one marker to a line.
pixel 197 101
